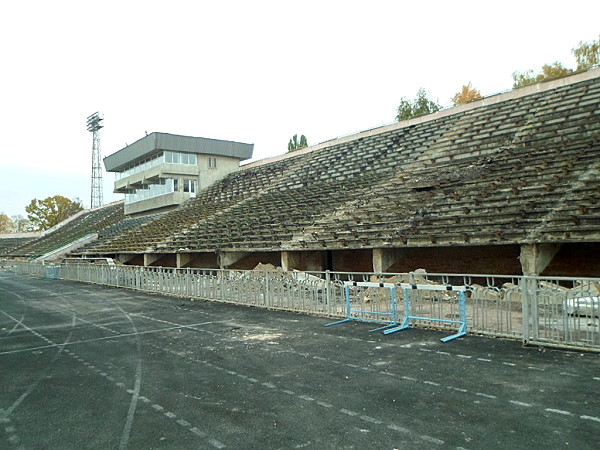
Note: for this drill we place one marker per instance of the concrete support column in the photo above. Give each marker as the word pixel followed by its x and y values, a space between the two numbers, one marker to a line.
pixel 226 259
pixel 535 258
pixel 150 258
pixel 290 261
pixel 384 258
pixel 183 259
pixel 125 257
pixel 307 261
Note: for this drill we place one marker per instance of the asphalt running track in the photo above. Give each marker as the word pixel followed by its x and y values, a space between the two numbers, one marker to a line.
pixel 84 366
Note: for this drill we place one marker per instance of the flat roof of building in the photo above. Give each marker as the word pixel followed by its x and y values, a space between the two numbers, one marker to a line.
pixel 155 142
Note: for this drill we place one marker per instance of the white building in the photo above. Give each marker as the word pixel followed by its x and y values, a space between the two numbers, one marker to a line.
pixel 161 171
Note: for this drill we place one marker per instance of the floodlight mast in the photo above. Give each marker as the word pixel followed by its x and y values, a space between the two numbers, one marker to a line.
pixel 94 124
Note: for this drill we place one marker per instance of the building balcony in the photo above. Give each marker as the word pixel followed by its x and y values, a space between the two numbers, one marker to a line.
pixel 160 202
pixel 153 175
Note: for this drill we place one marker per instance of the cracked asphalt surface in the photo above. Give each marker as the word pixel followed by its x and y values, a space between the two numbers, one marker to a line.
pixel 86 366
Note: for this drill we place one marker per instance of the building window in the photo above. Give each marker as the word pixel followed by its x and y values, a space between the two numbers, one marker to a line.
pixel 189 186
pixel 212 163
pixel 180 158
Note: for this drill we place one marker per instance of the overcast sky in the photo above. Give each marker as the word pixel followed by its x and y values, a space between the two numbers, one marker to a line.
pixel 248 71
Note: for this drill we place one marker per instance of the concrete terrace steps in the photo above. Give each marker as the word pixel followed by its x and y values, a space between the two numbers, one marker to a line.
pixel 506 172
pixel 445 211
pixel 90 221
pixel 208 204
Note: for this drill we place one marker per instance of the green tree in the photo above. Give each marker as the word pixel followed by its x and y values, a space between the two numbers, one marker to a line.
pixel 467 94
pixel 549 72
pixel 587 55
pixel 420 106
pixel 297 144
pixel 44 214
pixel 6 224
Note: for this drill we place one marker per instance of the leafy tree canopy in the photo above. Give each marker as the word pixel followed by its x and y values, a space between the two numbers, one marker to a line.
pixel 549 72
pixel 467 94
pixel 6 224
pixel 587 56
pixel 44 214
pixel 420 106
pixel 297 144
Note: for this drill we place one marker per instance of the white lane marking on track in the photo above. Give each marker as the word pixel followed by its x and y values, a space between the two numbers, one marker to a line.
pixel 481 394
pixel 518 403
pixel 371 419
pixel 432 440
pixel 454 388
pixel 32 386
pixel 397 428
pixel 10 430
pixel 216 443
pixel 135 393
pixel 17 325
pixel 85 341
pixel 325 405
pixel 198 432
pixel 559 411
pixel 595 419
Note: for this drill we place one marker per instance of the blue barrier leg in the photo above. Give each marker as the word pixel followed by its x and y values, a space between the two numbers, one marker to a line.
pixel 338 322
pixel 405 324
pixel 384 327
pixel 462 331
pixel 348 309
pixel 394 313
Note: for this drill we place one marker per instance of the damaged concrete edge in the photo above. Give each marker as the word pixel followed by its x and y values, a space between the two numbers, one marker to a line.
pixel 486 101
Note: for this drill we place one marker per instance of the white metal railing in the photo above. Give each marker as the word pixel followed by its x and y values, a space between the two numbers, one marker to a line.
pixel 549 311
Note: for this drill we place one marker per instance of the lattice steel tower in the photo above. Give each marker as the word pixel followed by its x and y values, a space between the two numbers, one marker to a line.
pixel 94 124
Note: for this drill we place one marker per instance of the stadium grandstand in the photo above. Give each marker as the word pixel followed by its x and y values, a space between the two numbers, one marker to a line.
pixel 504 185
pixel 12 240
pixel 82 227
